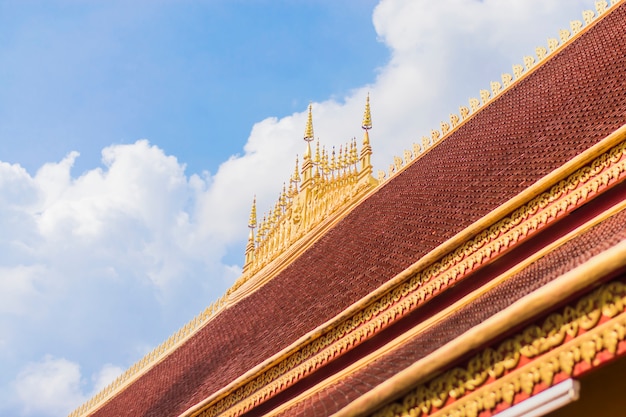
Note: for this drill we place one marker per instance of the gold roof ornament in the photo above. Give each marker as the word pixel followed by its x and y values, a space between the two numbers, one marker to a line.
pixel 367 116
pixel 252 225
pixel 308 131
pixel 366 150
pixel 295 178
pixel 328 182
pixel 252 221
pixel 308 137
pixel 317 159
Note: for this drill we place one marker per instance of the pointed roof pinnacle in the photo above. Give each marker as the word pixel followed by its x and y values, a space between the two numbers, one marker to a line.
pixel 367 117
pixel 252 221
pixel 308 132
pixel 317 159
pixel 295 178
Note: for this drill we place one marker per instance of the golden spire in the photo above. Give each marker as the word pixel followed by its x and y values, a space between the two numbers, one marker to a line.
pixel 308 137
pixel 307 162
pixel 296 175
pixel 252 221
pixel 316 160
pixel 340 158
pixel 263 229
pixel 290 192
pixel 283 197
pixel 308 132
pixel 367 117
pixel 366 150
pixel 250 247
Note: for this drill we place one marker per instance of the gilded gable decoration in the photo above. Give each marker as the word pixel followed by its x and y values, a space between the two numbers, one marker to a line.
pixel 330 180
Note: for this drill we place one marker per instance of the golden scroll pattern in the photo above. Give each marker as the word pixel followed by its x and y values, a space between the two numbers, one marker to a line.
pixel 561 342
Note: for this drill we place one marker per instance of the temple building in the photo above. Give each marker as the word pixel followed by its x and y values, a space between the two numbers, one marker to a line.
pixel 483 273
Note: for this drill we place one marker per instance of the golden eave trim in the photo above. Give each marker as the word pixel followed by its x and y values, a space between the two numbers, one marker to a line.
pixel 525 309
pixel 596 325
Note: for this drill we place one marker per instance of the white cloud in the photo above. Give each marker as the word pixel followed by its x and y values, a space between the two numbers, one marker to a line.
pixel 113 257
pixel 107 374
pixel 138 212
pixel 19 288
pixel 55 386
pixel 49 388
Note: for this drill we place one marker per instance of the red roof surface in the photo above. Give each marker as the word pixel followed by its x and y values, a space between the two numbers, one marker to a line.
pixel 572 254
pixel 567 105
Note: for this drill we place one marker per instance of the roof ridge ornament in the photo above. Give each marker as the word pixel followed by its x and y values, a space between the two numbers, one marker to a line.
pixel 565 37
pixel 252 220
pixel 367 116
pixel 330 181
pixel 308 131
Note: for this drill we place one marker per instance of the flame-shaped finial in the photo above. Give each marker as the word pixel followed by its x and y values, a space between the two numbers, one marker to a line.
pixel 283 197
pixel 252 221
pixel 367 116
pixel 317 159
pixel 295 178
pixel 308 132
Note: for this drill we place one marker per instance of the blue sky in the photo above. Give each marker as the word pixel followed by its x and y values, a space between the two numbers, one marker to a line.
pixel 192 77
pixel 133 136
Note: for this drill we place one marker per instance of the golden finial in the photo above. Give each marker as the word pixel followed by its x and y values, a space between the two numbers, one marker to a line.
pixel 290 192
pixel 296 174
pixel 367 117
pixel 263 229
pixel 316 161
pixel 270 222
pixel 308 132
pixel 340 158
pixel 277 211
pixel 252 221
pixel 272 217
pixel 283 197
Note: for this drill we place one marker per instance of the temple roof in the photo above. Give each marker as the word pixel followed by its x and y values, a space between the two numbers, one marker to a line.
pixel 568 104
pixel 565 258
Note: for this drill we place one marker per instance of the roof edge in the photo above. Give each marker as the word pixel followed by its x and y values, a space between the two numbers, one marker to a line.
pixel 520 73
pixel 527 308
